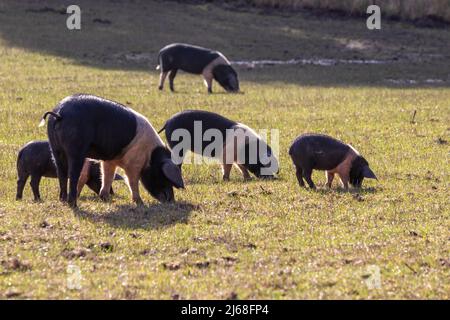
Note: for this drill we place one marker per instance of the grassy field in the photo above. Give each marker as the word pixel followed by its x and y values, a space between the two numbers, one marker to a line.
pixel 257 239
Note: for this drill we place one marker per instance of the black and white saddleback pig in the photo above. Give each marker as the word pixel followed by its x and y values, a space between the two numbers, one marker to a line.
pixel 321 152
pixel 197 60
pixel 235 142
pixel 85 126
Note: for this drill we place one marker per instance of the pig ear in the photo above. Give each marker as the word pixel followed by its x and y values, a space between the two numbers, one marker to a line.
pixel 369 173
pixel 173 173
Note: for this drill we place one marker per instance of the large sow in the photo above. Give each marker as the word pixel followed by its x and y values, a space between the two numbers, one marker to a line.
pixel 85 126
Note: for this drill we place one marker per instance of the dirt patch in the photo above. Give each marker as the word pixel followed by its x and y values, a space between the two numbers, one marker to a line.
pixel 75 253
pixel 106 246
pixel 12 293
pixel 14 264
pixel 172 266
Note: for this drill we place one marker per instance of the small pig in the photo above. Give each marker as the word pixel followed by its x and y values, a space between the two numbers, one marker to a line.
pixel 35 160
pixel 86 126
pixel 234 139
pixel 197 60
pixel 321 152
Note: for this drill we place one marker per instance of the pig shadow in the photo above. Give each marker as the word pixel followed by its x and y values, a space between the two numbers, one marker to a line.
pixel 186 91
pixel 147 216
pixel 95 197
pixel 355 191
pixel 213 180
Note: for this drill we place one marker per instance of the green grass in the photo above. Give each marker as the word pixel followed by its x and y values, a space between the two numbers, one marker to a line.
pixel 257 239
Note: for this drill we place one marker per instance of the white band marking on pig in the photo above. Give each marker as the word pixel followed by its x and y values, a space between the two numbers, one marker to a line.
pixel 139 150
pixel 208 70
pixel 353 149
pixel 234 143
pixel 343 169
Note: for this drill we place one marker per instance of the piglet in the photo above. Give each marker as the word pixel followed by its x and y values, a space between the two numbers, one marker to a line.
pixel 35 160
pixel 321 152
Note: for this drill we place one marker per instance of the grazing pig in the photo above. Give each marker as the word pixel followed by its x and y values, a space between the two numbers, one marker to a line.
pixel 86 126
pixel 321 152
pixel 197 60
pixel 35 160
pixel 236 143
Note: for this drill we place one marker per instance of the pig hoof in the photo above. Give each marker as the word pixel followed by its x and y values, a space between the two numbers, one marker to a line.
pixel 160 88
pixel 18 198
pixel 72 204
pixel 104 197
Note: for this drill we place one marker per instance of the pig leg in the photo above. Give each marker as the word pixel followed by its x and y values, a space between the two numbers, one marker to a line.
pixel 330 177
pixel 244 172
pixel 84 176
pixel 226 165
pixel 108 173
pixel 21 181
pixel 208 78
pixel 133 183
pixel 344 180
pixel 299 174
pixel 95 186
pixel 226 168
pixel 75 167
pixel 307 175
pixel 172 75
pixel 162 78
pixel 61 170
pixel 35 180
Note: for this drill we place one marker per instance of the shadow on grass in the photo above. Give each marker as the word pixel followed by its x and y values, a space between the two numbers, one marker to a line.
pixel 324 190
pixel 128 36
pixel 148 216
pixel 350 190
pixel 234 178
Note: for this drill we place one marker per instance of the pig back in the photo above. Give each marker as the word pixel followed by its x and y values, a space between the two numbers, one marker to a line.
pixel 186 120
pixel 105 126
pixel 188 58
